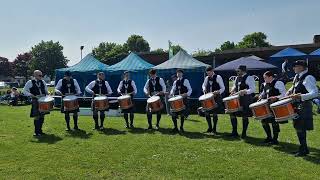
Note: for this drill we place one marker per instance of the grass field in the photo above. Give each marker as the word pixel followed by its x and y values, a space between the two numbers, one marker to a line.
pixel 130 154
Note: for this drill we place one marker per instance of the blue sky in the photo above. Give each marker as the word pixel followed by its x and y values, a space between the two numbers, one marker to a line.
pixel 197 24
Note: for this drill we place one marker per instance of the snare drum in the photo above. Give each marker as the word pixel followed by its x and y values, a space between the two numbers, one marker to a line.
pixel 45 104
pixel 232 104
pixel 261 110
pixel 154 104
pixel 176 104
pixel 101 103
pixel 283 110
pixel 207 102
pixel 70 103
pixel 125 102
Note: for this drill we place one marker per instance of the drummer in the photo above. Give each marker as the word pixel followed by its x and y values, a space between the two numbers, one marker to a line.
pixel 181 87
pixel 128 87
pixel 213 83
pixel 154 86
pixel 68 86
pixel 272 89
pixel 304 89
pixel 244 85
pixel 96 88
pixel 34 89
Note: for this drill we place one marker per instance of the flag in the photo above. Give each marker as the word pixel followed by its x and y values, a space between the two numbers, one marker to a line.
pixel 170 50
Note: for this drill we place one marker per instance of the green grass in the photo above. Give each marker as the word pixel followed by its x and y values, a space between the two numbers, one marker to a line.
pixel 120 153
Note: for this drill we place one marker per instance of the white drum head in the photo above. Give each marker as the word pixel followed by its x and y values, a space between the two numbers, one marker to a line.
pixel 70 98
pixel 259 103
pixel 153 99
pixel 282 102
pixel 206 96
pixel 175 98
pixel 124 97
pixel 231 97
pixel 100 98
pixel 46 99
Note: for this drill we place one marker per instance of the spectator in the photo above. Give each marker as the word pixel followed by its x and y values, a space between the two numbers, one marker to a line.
pixel 14 96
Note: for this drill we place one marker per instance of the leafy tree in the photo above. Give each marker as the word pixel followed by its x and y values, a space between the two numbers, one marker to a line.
pixel 137 43
pixel 21 65
pixel 5 67
pixel 109 50
pixel 159 50
pixel 176 48
pixel 47 56
pixel 253 40
pixel 201 52
pixel 226 46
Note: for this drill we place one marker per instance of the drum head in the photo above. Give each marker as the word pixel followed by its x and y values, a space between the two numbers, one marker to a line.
pixel 46 99
pixel 231 97
pixel 175 98
pixel 70 98
pixel 259 103
pixel 282 102
pixel 100 98
pixel 153 99
pixel 124 97
pixel 206 96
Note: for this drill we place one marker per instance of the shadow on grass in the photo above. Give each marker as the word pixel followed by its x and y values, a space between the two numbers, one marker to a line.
pixel 48 138
pixel 79 134
pixel 141 131
pixel 226 136
pixel 111 131
pixel 288 148
pixel 187 134
pixel 193 120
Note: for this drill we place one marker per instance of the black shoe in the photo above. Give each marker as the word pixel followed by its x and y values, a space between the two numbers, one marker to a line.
pixel 300 154
pixel 127 127
pixel 234 135
pixel 267 140
pixel 181 129
pixel 208 131
pixel 95 128
pixel 68 129
pixel 42 133
pixel 274 142
pixel 243 135
pixel 131 126
pixel 214 132
pixel 174 130
pixel 157 127
pixel 76 128
pixel 36 135
pixel 150 128
pixel 101 128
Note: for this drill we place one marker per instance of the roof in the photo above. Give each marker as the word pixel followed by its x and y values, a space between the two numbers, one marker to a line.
pixel 252 64
pixel 88 63
pixel 132 62
pixel 315 53
pixel 288 52
pixel 182 60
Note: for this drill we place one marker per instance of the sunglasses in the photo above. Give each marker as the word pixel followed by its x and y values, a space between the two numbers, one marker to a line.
pixel 40 75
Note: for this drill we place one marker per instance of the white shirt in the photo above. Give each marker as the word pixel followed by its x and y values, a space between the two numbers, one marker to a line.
pixel 162 84
pixel 28 85
pixel 93 83
pixel 219 81
pixel 249 81
pixel 185 83
pixel 59 85
pixel 278 85
pixel 133 84
pixel 310 84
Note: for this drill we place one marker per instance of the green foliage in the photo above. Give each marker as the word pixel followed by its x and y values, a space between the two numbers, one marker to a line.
pixel 137 43
pixel 226 46
pixel 159 50
pixel 109 50
pixel 47 56
pixel 5 67
pixel 119 153
pixel 201 52
pixel 176 48
pixel 21 65
pixel 256 39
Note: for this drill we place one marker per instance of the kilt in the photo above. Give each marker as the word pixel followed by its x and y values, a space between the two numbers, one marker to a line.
pixel 304 120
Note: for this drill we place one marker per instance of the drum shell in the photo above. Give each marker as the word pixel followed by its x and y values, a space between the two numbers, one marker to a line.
pixel 283 112
pixel 232 105
pixel 261 111
pixel 101 105
pixel 125 103
pixel 155 106
pixel 70 105
pixel 177 105
pixel 45 106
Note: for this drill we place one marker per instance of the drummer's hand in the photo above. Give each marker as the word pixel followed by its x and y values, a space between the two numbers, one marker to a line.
pixel 232 93
pixel 273 99
pixel 161 93
pixel 33 96
pixel 242 92
pixel 296 96
pixel 216 92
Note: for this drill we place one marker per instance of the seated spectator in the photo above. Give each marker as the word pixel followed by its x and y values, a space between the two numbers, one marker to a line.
pixel 14 96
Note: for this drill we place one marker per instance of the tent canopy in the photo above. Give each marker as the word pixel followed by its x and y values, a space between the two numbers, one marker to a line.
pixel 315 53
pixel 255 57
pixel 88 63
pixel 252 64
pixel 132 62
pixel 182 60
pixel 288 52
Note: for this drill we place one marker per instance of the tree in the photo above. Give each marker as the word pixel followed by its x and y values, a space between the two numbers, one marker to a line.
pixel 159 50
pixel 226 46
pixel 47 56
pixel 176 48
pixel 109 50
pixel 137 43
pixel 201 52
pixel 253 40
pixel 5 67
pixel 21 65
